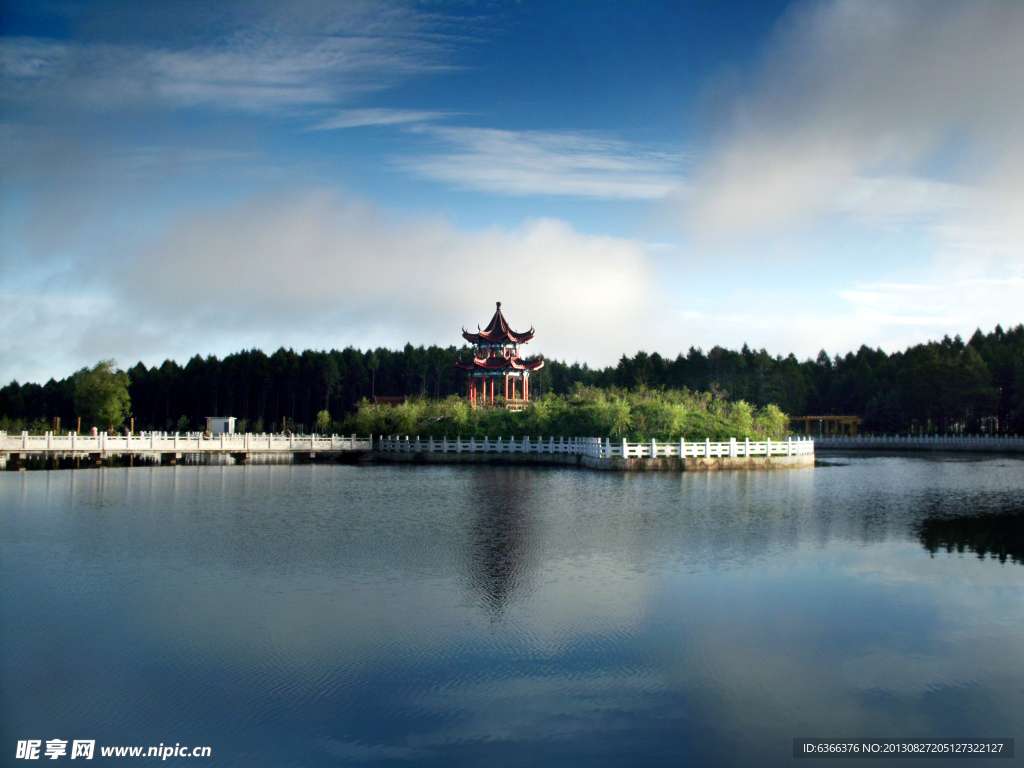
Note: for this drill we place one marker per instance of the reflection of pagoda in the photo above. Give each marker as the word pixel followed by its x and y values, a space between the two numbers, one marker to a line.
pixel 497 356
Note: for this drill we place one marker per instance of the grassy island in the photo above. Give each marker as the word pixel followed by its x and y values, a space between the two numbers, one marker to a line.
pixel 586 411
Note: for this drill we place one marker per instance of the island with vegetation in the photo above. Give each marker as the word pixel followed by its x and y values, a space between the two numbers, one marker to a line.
pixel 639 414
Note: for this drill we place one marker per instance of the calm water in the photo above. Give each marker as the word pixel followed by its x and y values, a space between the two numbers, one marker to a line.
pixel 316 615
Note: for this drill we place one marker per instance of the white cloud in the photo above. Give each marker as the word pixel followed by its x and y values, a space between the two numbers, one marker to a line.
pixel 318 269
pixel 548 163
pixel 255 70
pixel 862 107
pixel 357 118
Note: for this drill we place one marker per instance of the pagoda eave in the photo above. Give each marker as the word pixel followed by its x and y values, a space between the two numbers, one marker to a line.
pixel 499 365
pixel 483 339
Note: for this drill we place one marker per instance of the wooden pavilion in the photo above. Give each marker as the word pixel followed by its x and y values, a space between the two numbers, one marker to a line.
pixel 497 357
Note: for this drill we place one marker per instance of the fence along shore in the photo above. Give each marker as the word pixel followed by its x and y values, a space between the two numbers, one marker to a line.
pixel 167 447
pixel 601 453
pixel 591 452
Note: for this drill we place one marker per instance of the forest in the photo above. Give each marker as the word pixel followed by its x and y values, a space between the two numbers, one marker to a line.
pixel 946 386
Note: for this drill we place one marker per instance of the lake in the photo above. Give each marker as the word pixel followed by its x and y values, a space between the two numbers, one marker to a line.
pixel 459 616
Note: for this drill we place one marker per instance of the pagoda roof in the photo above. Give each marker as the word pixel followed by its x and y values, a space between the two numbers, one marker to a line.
pixel 497 363
pixel 497 332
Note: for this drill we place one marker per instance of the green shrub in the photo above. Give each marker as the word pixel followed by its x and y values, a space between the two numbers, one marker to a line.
pixel 586 412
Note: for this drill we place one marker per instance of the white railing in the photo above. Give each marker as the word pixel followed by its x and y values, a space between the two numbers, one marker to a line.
pixel 191 442
pixel 930 442
pixel 595 447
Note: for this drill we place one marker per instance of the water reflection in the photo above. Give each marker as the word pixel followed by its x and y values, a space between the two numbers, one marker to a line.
pixel 311 615
pixel 501 537
pixel 997 536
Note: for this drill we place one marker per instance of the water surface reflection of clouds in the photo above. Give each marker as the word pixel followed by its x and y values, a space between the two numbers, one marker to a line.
pixel 455 615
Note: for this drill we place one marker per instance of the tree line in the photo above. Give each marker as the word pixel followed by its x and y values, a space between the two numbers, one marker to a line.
pixel 939 386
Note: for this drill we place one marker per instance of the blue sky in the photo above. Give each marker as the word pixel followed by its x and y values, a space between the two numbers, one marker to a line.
pixel 190 178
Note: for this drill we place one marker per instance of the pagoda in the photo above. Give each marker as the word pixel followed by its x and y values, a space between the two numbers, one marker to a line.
pixel 497 357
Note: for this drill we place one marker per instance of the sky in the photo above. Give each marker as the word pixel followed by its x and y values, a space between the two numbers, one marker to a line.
pixel 204 177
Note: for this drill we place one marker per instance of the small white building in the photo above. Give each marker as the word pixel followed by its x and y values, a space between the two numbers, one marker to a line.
pixel 217 425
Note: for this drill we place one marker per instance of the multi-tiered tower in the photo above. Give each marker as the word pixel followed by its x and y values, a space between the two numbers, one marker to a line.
pixel 497 356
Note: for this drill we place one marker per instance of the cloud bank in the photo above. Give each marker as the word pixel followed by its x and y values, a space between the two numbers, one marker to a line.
pixel 861 103
pixel 875 155
pixel 316 268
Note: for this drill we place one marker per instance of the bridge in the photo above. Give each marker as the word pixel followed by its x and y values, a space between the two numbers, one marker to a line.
pixel 171 447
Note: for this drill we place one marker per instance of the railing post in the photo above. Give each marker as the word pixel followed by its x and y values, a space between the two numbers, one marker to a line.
pixel 789 446
pixel 732 448
pixel 768 447
pixel 654 448
pixel 682 447
pixel 707 447
pixel 746 447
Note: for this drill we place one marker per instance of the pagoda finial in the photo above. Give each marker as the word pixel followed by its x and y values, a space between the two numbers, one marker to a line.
pixel 499 305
